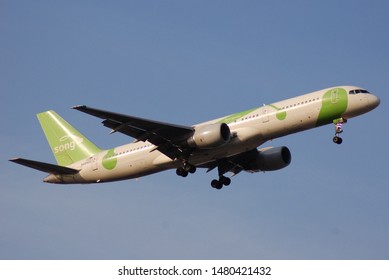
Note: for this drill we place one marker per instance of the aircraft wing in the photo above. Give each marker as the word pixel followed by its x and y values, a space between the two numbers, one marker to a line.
pixel 169 138
pixel 45 167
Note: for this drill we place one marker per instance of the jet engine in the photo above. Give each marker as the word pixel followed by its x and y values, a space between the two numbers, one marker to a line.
pixel 210 136
pixel 269 159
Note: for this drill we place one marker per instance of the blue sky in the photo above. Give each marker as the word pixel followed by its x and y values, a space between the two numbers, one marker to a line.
pixel 186 62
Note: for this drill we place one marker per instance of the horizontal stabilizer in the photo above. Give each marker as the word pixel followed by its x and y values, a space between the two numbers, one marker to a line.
pixel 45 167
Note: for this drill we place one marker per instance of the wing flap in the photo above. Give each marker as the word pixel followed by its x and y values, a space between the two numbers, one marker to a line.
pixel 45 167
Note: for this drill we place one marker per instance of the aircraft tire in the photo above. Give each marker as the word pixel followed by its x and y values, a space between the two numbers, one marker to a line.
pixel 181 172
pixel 337 140
pixel 225 180
pixel 192 169
pixel 216 184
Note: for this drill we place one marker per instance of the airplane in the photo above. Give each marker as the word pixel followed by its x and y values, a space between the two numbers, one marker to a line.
pixel 228 144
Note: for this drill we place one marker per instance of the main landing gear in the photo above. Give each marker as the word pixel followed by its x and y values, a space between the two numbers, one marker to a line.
pixel 185 169
pixel 338 130
pixel 222 168
pixel 223 181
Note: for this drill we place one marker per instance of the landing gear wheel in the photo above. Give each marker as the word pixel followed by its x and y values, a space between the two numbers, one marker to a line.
pixel 192 169
pixel 225 180
pixel 337 140
pixel 216 184
pixel 181 172
pixel 189 168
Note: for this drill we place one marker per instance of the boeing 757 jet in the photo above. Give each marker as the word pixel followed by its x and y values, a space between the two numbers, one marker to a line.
pixel 228 144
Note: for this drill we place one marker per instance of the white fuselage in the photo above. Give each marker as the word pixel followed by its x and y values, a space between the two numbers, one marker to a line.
pixel 249 130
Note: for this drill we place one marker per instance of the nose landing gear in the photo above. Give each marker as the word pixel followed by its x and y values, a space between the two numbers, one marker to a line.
pixel 338 130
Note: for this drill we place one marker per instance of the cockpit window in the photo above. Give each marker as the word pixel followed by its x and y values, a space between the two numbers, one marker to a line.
pixel 356 91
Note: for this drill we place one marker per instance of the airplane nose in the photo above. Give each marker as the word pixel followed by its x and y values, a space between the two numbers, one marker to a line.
pixel 374 101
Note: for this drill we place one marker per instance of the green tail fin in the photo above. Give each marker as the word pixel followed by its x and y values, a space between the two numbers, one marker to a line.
pixel 67 143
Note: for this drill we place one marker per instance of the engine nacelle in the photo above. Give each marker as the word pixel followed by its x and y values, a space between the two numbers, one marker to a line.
pixel 210 136
pixel 269 159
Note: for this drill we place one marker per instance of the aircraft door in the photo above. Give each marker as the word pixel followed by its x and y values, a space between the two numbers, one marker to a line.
pixel 94 163
pixel 265 114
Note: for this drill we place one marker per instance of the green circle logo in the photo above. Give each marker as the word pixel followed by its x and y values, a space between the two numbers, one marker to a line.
pixel 109 160
pixel 281 116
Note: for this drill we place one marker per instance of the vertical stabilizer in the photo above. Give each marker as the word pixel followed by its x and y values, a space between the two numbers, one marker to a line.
pixel 67 143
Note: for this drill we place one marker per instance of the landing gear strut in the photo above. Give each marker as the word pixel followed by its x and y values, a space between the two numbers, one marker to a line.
pixel 338 130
